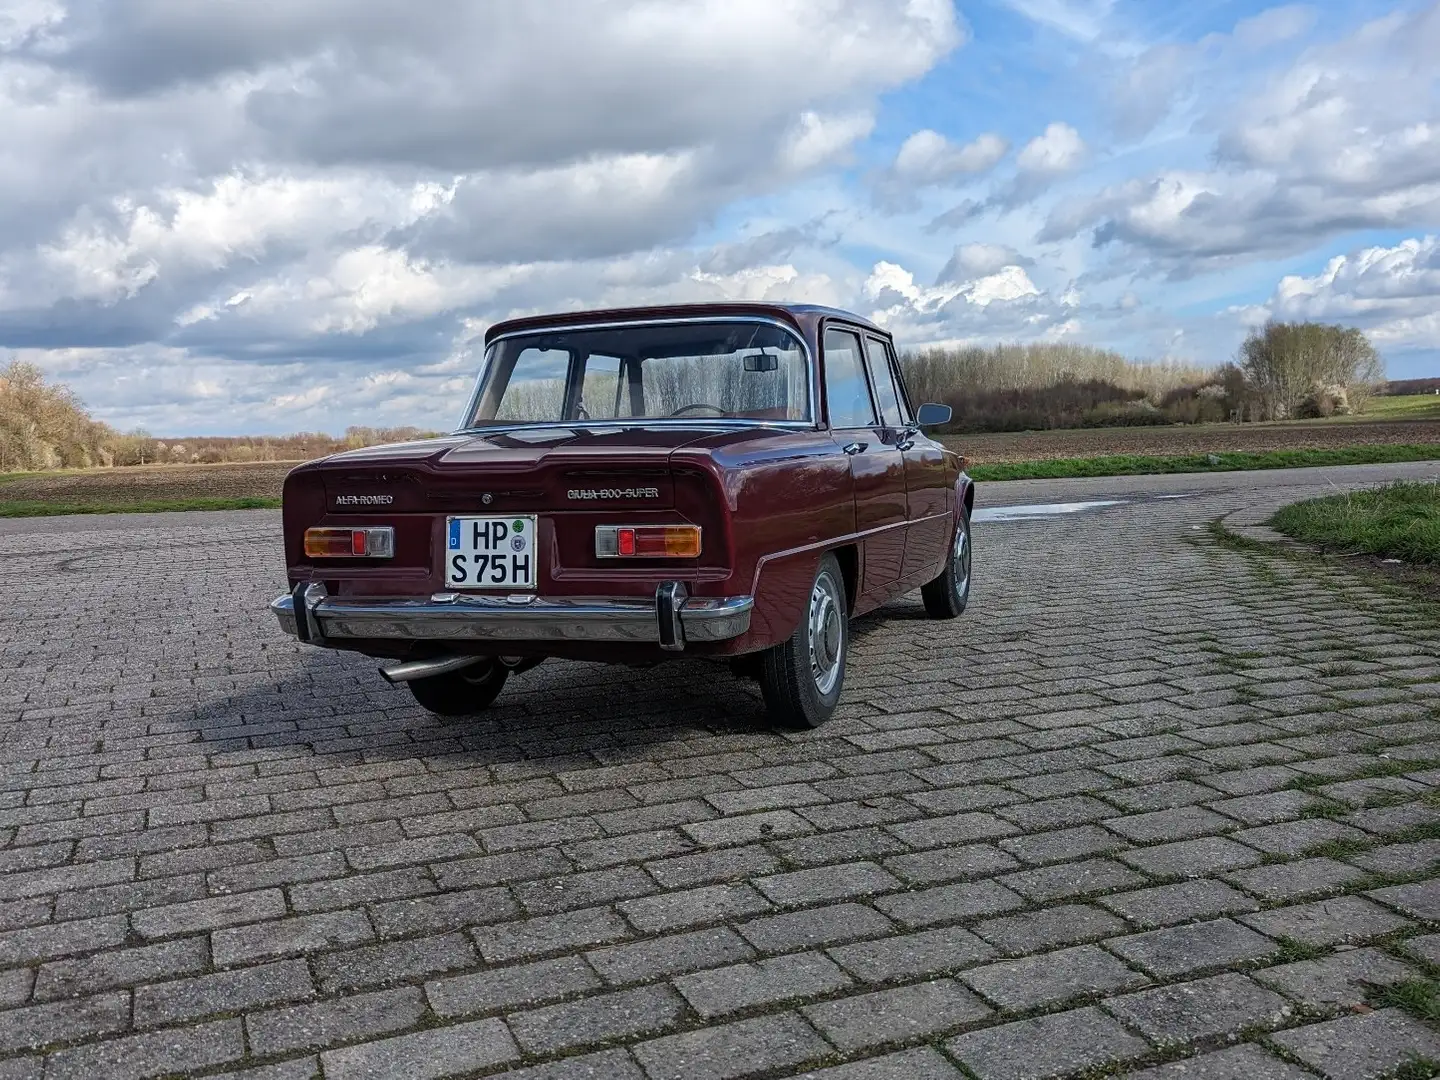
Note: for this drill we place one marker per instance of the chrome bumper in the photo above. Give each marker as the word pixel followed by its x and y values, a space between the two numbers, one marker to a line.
pixel 669 620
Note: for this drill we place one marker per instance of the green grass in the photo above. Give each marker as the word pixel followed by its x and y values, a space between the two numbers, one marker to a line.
pixel 1400 521
pixel 16 508
pixel 1402 407
pixel 1137 464
pixel 1419 997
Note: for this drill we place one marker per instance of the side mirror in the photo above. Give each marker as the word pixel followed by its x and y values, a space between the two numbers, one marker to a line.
pixel 931 415
pixel 761 362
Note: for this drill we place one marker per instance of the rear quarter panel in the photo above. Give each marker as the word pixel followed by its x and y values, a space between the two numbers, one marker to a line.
pixel 788 499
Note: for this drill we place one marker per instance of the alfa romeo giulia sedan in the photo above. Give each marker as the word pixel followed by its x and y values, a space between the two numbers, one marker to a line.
pixel 735 481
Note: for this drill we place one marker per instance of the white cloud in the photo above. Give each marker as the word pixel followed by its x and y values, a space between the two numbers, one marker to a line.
pixel 927 157
pixel 1081 19
pixel 970 261
pixel 1058 149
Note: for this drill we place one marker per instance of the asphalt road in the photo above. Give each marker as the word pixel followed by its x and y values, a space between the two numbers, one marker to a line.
pixel 1149 799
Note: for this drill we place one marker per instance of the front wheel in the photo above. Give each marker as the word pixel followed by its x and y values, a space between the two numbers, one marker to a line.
pixel 463 692
pixel 947 595
pixel 801 678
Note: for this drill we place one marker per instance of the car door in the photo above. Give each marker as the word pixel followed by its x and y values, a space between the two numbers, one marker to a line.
pixel 877 467
pixel 927 481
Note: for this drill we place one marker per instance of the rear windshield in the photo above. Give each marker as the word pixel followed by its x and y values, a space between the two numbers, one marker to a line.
pixel 720 370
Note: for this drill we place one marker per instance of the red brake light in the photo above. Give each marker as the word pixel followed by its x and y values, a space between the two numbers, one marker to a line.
pixel 372 543
pixel 647 541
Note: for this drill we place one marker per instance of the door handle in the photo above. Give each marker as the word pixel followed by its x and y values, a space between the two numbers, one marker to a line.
pixel 904 444
pixel 854 448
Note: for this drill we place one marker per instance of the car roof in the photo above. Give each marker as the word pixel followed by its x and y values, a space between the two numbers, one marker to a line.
pixel 802 316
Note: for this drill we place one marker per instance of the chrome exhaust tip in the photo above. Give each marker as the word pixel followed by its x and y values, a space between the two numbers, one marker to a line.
pixel 424 669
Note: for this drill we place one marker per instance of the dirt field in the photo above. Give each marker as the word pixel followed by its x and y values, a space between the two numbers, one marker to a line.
pixel 263 479
pixel 1197 439
pixel 142 482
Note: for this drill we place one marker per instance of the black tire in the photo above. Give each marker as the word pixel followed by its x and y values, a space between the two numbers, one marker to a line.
pixel 947 595
pixel 802 687
pixel 461 693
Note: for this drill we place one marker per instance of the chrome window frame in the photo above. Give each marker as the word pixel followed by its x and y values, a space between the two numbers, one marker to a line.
pixel 813 423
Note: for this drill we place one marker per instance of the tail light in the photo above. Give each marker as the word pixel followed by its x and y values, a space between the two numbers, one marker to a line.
pixel 647 541
pixel 371 543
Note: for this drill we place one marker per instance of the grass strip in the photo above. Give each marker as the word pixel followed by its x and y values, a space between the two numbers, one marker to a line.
pixel 1226 461
pixel 16 508
pixel 1398 521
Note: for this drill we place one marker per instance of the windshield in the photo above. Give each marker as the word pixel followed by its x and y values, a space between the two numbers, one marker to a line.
pixel 725 369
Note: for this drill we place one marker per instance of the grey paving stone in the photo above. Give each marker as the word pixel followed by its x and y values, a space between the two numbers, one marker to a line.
pixel 910 956
pixel 1164 905
pixel 1292 838
pixel 692 907
pixel 828 925
pixel 306 1027
pixel 222 992
pixel 1059 1044
pixel 508 987
pixel 601 1017
pixel 1420 900
pixel 395 961
pixel 670 955
pixel 437 912
pixel 1068 880
pixel 950 864
pixel 1426 947
pixel 1419 857
pixel 37 1026
pixel 1328 922
pixel 1296 880
pixel 551 933
pixel 1062 845
pixel 1192 858
pixel 211 913
pixel 601 1065
pixel 120 967
pixel 34 943
pixel 919 1064
pixel 949 903
pixel 1032 931
pixel 290 937
pixel 726 1051
pixel 1052 978
pixel 822 884
pixel 720 991
pixel 1178 823
pixel 424 1055
pixel 1360 1047
pixel 1180 950
pixel 923 1010
pixel 1245 1062
pixel 176 1051
pixel 1187 1012
pixel 1340 980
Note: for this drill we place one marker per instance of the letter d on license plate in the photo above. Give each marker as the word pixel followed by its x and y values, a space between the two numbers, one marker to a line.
pixel 491 552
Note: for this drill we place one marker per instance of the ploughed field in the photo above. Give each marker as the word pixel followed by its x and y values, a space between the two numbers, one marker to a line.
pixel 141 487
pixel 1010 446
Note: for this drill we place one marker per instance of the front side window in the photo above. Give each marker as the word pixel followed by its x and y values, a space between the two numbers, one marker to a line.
pixel 723 370
pixel 846 391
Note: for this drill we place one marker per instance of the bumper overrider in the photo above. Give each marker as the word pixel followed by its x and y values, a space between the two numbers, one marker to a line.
pixel 669 619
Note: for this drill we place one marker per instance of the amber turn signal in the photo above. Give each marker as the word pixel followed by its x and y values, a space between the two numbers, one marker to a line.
pixel 368 543
pixel 647 541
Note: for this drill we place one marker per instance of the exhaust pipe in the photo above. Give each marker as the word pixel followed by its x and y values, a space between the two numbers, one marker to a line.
pixel 424 669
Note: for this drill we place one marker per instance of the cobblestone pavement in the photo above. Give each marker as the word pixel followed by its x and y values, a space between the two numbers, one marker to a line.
pixel 1151 799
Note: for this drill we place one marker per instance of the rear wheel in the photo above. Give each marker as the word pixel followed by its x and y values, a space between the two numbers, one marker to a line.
pixel 802 677
pixel 461 693
pixel 947 595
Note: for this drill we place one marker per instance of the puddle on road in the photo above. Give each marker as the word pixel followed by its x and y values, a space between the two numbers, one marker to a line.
pixel 1040 510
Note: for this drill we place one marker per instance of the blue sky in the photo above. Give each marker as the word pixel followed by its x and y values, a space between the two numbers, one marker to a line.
pixel 229 217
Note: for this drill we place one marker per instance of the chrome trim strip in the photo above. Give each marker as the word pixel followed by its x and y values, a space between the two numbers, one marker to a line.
pixel 811 423
pixel 448 616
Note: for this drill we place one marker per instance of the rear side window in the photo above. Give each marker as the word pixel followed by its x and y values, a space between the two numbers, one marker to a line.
pixel 846 390
pixel 892 406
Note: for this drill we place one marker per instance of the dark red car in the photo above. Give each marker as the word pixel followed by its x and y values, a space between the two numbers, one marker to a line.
pixel 722 480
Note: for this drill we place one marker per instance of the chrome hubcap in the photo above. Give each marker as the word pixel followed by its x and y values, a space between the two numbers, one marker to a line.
pixel 827 633
pixel 960 560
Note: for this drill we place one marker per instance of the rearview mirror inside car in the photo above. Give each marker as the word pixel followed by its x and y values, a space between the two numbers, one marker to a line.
pixel 761 362
pixel 930 414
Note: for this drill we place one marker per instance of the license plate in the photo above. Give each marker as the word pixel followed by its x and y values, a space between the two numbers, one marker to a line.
pixel 490 552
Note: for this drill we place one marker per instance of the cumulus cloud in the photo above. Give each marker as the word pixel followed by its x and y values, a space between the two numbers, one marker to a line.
pixel 928 159
pixel 976 260
pixel 1058 149
pixel 1393 292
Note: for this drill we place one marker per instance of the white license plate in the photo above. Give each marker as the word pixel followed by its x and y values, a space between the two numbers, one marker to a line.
pixel 491 552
